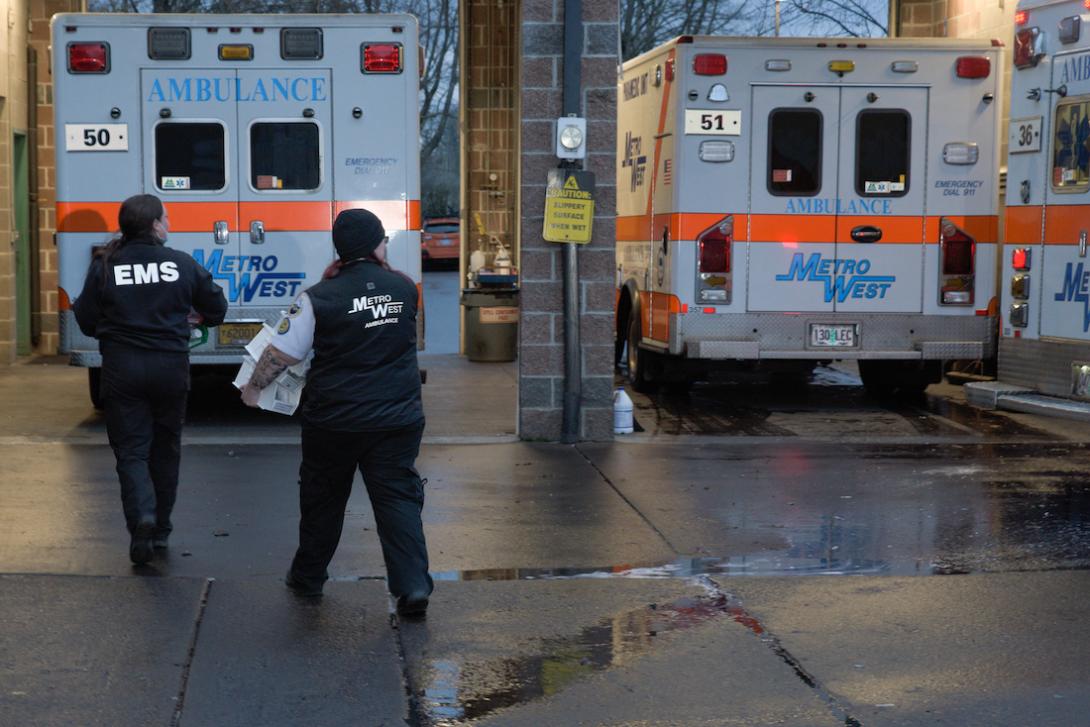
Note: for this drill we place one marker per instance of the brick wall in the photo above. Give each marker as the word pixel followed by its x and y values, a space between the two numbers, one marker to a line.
pixel 541 355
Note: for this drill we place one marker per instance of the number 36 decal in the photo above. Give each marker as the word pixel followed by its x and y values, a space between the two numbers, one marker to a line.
pixel 717 122
pixel 96 137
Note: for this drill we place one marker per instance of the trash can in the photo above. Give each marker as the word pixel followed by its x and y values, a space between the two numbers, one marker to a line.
pixel 492 316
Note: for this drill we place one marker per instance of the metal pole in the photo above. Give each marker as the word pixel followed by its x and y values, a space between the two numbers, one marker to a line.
pixel 573 375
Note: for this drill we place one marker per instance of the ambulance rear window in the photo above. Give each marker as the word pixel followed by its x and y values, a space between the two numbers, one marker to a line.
pixel 1071 146
pixel 794 152
pixel 882 147
pixel 285 155
pixel 190 156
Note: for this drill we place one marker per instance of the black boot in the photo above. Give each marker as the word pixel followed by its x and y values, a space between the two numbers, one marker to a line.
pixel 140 546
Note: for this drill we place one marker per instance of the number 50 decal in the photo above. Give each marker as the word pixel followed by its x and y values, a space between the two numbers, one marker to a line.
pixel 716 122
pixel 96 137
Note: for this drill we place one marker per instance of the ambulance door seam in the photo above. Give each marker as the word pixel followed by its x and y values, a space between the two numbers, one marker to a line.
pixel 924 207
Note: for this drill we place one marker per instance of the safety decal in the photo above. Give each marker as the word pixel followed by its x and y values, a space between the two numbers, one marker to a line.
pixel 295 310
pixel 285 325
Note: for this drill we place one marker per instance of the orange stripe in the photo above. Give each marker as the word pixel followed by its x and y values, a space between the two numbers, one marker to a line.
pixel 277 216
pixel 294 216
pixel 1064 223
pixel 895 230
pixel 662 305
pixel 1024 224
pixel 682 225
pixel 395 214
pixel 792 228
pixel 982 228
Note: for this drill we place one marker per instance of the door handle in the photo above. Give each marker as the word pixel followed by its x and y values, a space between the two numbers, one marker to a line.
pixel 866 233
pixel 1082 243
pixel 220 232
pixel 257 232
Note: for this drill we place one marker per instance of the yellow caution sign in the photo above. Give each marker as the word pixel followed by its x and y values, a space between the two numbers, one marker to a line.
pixel 569 206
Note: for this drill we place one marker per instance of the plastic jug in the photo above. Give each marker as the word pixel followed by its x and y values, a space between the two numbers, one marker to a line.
pixel 622 412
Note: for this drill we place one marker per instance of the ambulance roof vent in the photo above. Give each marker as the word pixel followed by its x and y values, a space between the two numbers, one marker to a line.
pixel 169 44
pixel 301 44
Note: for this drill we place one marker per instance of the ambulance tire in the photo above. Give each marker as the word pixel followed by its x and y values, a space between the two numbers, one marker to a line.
pixel 639 361
pixel 94 387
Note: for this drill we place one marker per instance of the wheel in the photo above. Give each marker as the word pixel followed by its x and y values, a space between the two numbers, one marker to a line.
pixel 639 361
pixel 94 387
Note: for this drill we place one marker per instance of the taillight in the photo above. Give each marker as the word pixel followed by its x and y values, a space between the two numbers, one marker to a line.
pixel 709 64
pixel 1027 47
pixel 88 58
pixel 713 261
pixel 1021 17
pixel 1020 259
pixel 974 67
pixel 958 261
pixel 382 58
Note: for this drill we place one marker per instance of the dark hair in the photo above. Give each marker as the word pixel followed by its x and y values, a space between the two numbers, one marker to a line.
pixel 136 219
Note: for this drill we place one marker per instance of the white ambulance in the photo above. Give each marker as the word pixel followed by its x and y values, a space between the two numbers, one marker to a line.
pixel 255 130
pixel 1045 338
pixel 804 199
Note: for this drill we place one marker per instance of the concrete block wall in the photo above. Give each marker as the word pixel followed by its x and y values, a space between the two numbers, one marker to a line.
pixel 541 331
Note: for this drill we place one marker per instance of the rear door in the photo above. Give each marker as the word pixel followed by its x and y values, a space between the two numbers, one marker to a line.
pixel 793 188
pixel 190 133
pixel 1065 300
pixel 880 226
pixel 285 183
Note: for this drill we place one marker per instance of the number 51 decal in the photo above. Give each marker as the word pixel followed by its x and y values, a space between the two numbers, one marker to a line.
pixel 96 137
pixel 713 122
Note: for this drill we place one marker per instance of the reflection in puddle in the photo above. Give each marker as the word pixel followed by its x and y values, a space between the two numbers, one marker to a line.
pixel 448 692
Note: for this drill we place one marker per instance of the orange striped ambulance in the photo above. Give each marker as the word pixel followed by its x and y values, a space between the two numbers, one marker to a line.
pixel 786 201
pixel 1045 340
pixel 255 130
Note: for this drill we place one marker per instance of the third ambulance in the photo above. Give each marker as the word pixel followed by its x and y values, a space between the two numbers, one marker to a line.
pixel 1045 341
pixel 793 200
pixel 255 130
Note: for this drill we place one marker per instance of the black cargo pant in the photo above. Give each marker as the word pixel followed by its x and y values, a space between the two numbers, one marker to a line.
pixel 386 460
pixel 145 393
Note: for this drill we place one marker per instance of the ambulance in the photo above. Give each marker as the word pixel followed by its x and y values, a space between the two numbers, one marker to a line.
pixel 782 202
pixel 254 130
pixel 1045 338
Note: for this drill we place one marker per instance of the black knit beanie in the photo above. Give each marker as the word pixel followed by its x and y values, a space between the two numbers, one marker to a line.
pixel 356 233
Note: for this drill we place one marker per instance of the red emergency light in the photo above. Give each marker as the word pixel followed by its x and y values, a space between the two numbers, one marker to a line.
pixel 974 67
pixel 715 251
pixel 1022 17
pixel 1026 50
pixel 88 58
pixel 709 64
pixel 382 58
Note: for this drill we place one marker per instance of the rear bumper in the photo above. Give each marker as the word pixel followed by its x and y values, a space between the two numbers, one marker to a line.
pixel 754 336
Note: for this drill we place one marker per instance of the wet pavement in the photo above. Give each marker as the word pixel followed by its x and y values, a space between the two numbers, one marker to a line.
pixel 758 555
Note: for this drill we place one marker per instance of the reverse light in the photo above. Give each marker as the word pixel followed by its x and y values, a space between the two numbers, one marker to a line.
pixel 88 58
pixel 1020 287
pixel 1020 259
pixel 709 64
pixel 716 150
pixel 1019 315
pixel 382 58
pixel 961 152
pixel 1028 47
pixel 958 261
pixel 778 64
pixel 973 67
pixel 904 66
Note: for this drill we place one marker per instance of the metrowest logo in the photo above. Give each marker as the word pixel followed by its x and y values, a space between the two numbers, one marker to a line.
pixel 247 277
pixel 379 306
pixel 843 279
pixel 1076 288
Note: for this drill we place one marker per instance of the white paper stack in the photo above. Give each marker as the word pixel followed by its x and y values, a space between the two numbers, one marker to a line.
pixel 282 396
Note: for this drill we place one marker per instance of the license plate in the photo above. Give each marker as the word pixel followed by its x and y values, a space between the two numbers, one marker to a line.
pixel 824 335
pixel 446 242
pixel 236 334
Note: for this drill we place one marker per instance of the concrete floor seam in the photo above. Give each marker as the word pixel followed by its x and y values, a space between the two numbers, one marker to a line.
pixel 758 629
pixel 608 481
pixel 417 715
pixel 179 706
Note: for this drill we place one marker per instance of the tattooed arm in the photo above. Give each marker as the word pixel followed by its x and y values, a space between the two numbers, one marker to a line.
pixel 272 363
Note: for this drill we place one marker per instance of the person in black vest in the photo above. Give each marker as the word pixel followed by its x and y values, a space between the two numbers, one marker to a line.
pixel 138 301
pixel 361 408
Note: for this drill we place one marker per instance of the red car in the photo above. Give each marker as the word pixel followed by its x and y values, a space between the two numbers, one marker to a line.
pixel 441 239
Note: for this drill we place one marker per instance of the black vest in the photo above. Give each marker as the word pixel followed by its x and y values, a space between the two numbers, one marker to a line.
pixel 364 376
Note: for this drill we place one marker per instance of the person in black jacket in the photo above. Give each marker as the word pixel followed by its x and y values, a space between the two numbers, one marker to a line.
pixel 137 301
pixel 361 408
